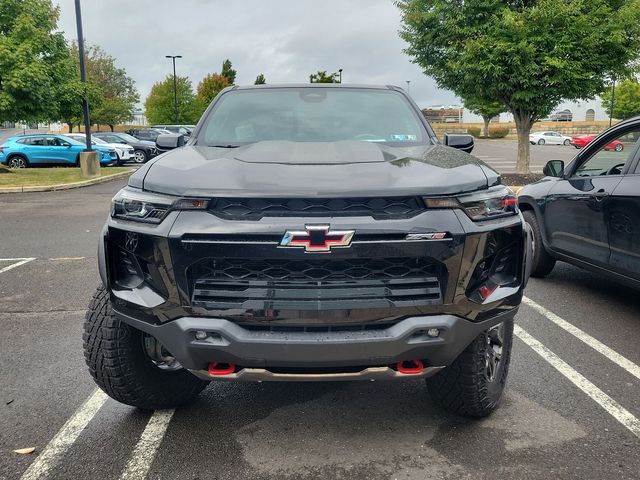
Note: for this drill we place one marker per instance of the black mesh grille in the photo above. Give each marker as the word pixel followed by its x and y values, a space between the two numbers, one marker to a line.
pixel 255 208
pixel 318 284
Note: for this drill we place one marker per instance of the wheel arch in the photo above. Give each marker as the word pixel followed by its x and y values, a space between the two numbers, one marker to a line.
pixel 525 204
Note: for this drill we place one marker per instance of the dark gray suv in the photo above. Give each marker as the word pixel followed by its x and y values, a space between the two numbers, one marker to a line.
pixel 309 233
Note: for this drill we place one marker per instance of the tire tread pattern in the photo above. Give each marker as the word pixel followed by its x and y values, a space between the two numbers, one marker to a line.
pixel 114 354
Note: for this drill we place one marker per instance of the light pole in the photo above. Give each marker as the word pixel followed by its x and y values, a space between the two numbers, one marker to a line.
pixel 83 77
pixel 340 72
pixel 613 100
pixel 175 87
pixel 408 86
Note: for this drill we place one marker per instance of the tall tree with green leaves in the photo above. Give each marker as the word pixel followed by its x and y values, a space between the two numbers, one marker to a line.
pixel 626 99
pixel 159 105
pixel 321 76
pixel 114 92
pixel 34 60
pixel 528 55
pixel 487 110
pixel 228 71
pixel 260 80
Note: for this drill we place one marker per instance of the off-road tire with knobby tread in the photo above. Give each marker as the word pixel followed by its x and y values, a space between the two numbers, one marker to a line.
pixel 117 361
pixel 463 388
pixel 542 262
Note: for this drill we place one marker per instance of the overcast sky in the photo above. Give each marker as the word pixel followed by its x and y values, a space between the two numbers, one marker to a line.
pixel 285 39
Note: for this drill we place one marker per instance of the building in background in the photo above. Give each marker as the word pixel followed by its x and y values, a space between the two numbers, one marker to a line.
pixel 582 111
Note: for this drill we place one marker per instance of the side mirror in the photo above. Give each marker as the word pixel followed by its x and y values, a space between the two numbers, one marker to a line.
pixel 554 168
pixel 169 141
pixel 460 141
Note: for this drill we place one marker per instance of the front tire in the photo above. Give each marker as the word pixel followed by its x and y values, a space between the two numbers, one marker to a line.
pixel 140 156
pixel 473 384
pixel 17 161
pixel 543 263
pixel 541 141
pixel 566 143
pixel 118 360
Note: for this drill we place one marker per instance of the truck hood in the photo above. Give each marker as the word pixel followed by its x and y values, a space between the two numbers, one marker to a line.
pixel 328 169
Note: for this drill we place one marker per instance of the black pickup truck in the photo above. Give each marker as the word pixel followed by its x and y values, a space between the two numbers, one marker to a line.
pixel 309 232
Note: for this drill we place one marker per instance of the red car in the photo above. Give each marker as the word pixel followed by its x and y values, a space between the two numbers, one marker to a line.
pixel 583 140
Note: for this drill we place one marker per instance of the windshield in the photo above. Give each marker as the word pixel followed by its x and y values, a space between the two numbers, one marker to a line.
pixel 127 138
pixel 97 140
pixel 313 115
pixel 73 141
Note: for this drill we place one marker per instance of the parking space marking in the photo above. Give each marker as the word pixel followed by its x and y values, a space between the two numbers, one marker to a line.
pixel 598 346
pixel 18 262
pixel 65 437
pixel 614 409
pixel 67 258
pixel 146 448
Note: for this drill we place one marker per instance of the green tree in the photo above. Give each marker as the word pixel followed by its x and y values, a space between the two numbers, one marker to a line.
pixel 321 76
pixel 209 87
pixel 528 55
pixel 228 72
pixel 34 60
pixel 260 80
pixel 487 110
pixel 112 93
pixel 626 99
pixel 159 105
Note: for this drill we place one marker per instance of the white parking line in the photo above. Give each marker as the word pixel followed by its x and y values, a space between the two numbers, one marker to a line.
pixel 598 346
pixel 65 437
pixel 146 448
pixel 616 410
pixel 18 262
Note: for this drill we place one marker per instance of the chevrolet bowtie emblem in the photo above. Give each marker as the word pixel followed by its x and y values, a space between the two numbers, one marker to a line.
pixel 317 238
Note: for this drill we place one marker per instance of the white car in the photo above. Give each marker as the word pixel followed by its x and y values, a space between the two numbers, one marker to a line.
pixel 124 152
pixel 549 138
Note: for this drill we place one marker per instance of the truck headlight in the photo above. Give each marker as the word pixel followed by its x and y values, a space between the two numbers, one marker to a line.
pixel 139 206
pixel 495 202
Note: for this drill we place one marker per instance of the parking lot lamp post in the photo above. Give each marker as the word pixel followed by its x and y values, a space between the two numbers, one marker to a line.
pixel 340 72
pixel 613 100
pixel 175 86
pixel 408 86
pixel 83 77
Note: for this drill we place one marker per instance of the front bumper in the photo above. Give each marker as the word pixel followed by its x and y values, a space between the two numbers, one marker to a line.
pixel 254 352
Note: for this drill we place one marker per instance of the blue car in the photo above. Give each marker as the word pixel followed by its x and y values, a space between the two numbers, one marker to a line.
pixel 30 150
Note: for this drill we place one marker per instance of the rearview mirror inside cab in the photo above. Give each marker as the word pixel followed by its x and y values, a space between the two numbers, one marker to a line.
pixel 460 141
pixel 554 168
pixel 169 141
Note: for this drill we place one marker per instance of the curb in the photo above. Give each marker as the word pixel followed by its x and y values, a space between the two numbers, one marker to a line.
pixel 66 186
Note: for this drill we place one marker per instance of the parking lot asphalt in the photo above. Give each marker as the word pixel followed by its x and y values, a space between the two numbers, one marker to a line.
pixel 571 409
pixel 502 154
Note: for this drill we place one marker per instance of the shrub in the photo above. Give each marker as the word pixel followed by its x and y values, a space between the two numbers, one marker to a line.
pixel 475 131
pixel 498 132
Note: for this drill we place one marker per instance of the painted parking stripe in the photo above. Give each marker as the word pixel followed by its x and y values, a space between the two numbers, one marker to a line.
pixel 65 437
pixel 598 346
pixel 614 409
pixel 145 451
pixel 18 262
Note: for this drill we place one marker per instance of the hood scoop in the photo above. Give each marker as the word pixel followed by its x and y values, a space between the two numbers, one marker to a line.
pixel 313 153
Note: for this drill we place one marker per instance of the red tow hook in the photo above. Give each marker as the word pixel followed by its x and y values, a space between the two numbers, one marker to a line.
pixel 417 367
pixel 220 369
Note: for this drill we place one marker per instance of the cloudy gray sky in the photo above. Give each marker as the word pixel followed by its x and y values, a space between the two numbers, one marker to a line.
pixel 284 39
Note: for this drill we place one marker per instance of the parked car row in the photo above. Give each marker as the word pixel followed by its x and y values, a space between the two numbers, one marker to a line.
pixel 115 148
pixel 550 138
pixel 583 140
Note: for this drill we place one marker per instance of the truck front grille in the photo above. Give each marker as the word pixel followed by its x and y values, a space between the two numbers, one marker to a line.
pixel 376 207
pixel 315 284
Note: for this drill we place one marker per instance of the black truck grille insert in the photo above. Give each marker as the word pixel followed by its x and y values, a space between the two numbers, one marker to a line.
pixel 256 208
pixel 315 284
